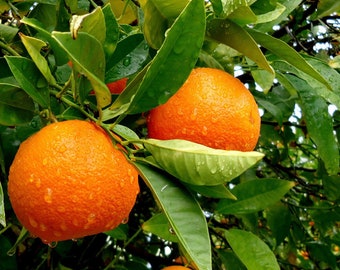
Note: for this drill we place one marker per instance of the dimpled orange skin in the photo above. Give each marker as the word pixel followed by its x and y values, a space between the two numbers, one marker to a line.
pixel 211 108
pixel 68 181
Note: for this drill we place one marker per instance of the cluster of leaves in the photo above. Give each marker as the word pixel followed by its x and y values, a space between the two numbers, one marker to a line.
pixel 274 208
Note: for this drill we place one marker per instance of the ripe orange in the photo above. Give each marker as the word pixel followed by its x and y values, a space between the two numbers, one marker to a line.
pixel 68 181
pixel 212 108
pixel 118 86
pixel 176 267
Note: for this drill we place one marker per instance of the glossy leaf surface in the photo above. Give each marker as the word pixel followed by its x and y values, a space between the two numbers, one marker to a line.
pixel 197 164
pixel 251 250
pixel 181 209
pixel 255 195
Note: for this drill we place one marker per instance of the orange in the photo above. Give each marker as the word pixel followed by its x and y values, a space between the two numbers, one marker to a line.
pixel 68 181
pixel 115 87
pixel 211 108
pixel 176 267
pixel 118 86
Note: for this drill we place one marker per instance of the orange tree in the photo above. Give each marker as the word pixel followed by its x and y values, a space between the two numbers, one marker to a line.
pixel 276 207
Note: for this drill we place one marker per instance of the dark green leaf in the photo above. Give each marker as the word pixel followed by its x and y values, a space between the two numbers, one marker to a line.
pixel 159 225
pixel 279 218
pixel 219 191
pixel 112 31
pixel 197 164
pixel 29 79
pixel 230 260
pixel 16 107
pixel 129 57
pixel 121 232
pixel 255 195
pixel 179 51
pixel 331 185
pixel 233 35
pixel 251 250
pixel 7 33
pixel 319 123
pixel 322 253
pixel 181 209
pixel 6 262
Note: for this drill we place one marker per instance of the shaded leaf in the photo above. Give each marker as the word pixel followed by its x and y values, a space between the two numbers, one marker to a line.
pixel 327 7
pixel 121 232
pixel 322 252
pixel 197 164
pixel 319 123
pixel 179 51
pixel 230 260
pixel 88 58
pixel 251 250
pixel 181 209
pixel 233 35
pixel 29 79
pixel 159 225
pixel 16 107
pixel 112 31
pixel 218 191
pixel 255 195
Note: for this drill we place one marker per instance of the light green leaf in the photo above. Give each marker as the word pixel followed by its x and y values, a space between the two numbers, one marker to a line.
pixel 233 35
pixel 2 202
pixel 179 51
pixel 181 209
pixel 287 53
pixel 251 250
pixel 271 15
pixel 60 55
pixel 30 79
pixel 88 58
pixel 16 107
pixel 34 47
pixel 253 196
pixel 197 164
pixel 92 23
pixel 157 225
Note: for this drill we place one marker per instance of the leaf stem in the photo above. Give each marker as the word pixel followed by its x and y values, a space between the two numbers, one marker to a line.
pixel 8 49
pixel 73 105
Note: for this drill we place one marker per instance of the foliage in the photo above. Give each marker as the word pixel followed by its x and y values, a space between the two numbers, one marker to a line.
pixel 278 208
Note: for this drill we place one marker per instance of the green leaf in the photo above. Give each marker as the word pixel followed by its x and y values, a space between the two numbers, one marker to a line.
pixel 197 164
pixel 92 23
pixel 157 225
pixel 129 57
pixel 322 252
pixel 170 9
pixel 88 58
pixel 16 107
pixel 34 46
pixel 29 79
pixel 287 53
pixel 155 24
pixel 233 35
pixel 181 209
pixel 2 199
pixel 218 191
pixel 319 123
pixel 230 260
pixel 255 195
pixel 112 31
pixel 251 250
pixel 7 33
pixel 60 55
pixel 228 7
pixel 327 7
pixel 179 51
pixel 121 232
pixel 331 185
pixel 279 218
